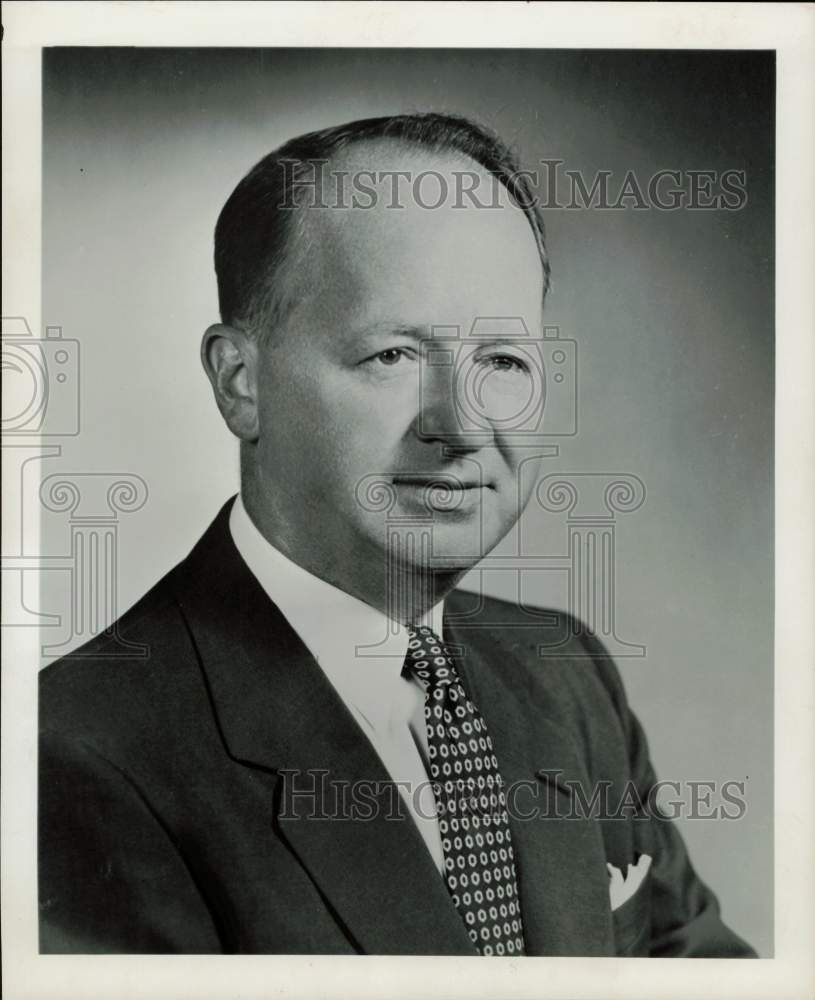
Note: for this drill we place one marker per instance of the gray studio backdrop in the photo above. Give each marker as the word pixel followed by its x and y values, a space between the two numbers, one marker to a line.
pixel 671 311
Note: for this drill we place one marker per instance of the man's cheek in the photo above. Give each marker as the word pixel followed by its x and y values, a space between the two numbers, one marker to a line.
pixel 525 472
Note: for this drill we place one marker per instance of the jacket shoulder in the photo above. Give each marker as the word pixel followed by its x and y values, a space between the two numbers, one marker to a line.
pixel 554 648
pixel 133 672
pixel 557 633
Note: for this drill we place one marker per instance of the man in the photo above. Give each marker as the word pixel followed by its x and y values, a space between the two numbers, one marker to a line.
pixel 330 749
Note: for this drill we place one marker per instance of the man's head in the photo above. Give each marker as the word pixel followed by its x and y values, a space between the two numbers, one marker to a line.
pixel 339 258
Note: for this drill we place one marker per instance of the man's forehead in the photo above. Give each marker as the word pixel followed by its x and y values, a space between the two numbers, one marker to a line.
pixel 386 163
pixel 388 241
pixel 383 178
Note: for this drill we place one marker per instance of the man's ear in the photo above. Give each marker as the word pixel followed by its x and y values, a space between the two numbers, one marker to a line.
pixel 229 357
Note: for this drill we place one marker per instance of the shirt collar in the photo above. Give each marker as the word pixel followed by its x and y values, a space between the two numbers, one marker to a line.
pixel 360 649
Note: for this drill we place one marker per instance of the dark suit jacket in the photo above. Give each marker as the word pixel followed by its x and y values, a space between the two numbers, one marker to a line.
pixel 168 821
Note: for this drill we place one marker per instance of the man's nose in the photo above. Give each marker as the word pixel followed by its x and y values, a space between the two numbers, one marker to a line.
pixel 441 416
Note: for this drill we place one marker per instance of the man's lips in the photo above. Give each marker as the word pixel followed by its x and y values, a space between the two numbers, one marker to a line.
pixel 444 494
pixel 440 482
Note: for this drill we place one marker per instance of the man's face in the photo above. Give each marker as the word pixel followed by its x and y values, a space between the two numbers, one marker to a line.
pixel 349 396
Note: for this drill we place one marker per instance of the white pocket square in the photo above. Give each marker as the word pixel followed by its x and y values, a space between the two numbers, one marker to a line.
pixel 622 887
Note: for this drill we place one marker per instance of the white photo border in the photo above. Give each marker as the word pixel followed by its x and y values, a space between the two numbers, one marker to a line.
pixel 789 29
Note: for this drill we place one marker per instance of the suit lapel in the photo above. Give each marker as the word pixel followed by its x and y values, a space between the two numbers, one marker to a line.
pixel 337 809
pixel 560 861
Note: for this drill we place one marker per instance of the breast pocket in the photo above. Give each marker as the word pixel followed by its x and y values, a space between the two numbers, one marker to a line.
pixel 632 923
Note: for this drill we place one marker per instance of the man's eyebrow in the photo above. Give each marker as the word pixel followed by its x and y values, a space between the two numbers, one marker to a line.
pixel 420 332
pixel 393 328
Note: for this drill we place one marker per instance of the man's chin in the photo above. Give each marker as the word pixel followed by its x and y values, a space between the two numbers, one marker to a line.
pixel 453 547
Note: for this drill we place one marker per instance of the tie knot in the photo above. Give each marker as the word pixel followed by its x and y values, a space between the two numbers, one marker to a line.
pixel 428 658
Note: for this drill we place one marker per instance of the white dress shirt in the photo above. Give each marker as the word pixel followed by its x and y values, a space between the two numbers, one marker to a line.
pixel 362 652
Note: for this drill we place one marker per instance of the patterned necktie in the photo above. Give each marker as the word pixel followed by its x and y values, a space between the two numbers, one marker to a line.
pixel 479 868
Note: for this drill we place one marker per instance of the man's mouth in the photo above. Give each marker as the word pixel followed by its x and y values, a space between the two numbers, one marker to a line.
pixel 441 482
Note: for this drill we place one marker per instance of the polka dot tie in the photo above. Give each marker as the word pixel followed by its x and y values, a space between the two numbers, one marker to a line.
pixel 479 866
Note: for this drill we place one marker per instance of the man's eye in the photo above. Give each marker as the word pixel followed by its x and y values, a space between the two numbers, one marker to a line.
pixel 505 363
pixel 392 356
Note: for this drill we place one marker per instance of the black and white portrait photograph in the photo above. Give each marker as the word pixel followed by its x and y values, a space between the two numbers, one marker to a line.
pixel 403 436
